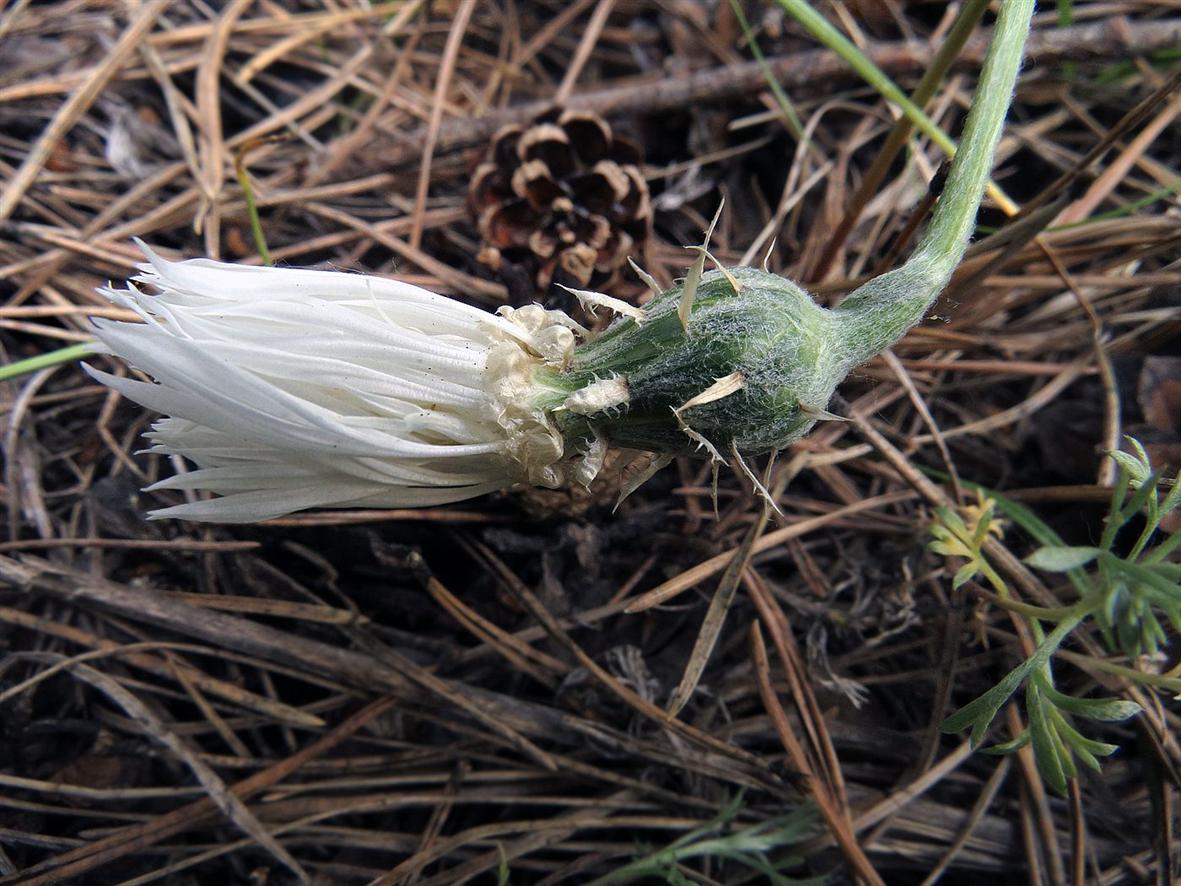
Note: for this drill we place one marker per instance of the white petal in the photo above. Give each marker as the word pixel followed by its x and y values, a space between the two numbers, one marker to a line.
pixel 292 389
pixel 251 507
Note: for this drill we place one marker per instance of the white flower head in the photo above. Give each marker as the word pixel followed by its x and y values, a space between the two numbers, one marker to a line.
pixel 293 389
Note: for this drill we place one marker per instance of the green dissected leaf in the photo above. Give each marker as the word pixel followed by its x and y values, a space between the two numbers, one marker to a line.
pixel 1174 615
pixel 984 523
pixel 1065 735
pixel 940 548
pixel 1147 577
pixel 1009 747
pixel 979 712
pixel 1108 710
pixel 1053 759
pixel 1112 603
pixel 1061 558
pixel 1056 743
pixel 1137 469
pixel 1154 633
pixel 1145 497
pixel 1086 749
pixel 722 838
pixel 1173 499
pixel 949 528
pixel 502 869
pixel 1141 452
pixel 1166 547
pixel 951 519
pixel 1150 638
pixel 1169 571
pixel 1127 597
pixel 964 574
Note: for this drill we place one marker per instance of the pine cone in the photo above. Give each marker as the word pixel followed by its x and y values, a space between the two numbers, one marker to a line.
pixel 560 200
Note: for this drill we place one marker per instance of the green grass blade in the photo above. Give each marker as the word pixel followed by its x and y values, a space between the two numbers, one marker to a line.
pixel 789 112
pixel 820 28
pixel 44 361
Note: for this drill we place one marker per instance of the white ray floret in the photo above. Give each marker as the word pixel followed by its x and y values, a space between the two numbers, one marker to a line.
pixel 293 389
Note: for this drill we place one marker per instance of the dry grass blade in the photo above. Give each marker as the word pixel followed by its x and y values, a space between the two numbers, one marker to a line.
pixel 1041 838
pixel 397 674
pixel 838 822
pixel 929 420
pixel 539 833
pixel 715 615
pixel 1119 169
pixel 277 608
pixel 225 800
pixel 209 109
pixel 446 69
pixel 552 626
pixel 683 582
pixel 953 42
pixel 823 760
pixel 180 544
pixel 458 698
pixel 800 69
pixel 100 852
pixel 543 668
pixel 981 806
pixel 283 713
pixel 75 106
pixel 586 45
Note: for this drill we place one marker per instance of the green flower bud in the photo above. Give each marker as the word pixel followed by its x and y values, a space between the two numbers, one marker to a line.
pixel 781 352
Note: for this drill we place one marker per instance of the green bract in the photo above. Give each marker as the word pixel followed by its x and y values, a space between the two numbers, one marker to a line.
pixel 770 333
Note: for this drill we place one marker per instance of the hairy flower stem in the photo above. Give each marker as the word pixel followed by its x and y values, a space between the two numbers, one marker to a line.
pixel 878 313
pixel 744 361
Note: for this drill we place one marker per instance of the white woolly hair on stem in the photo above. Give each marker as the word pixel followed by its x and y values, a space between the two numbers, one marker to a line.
pixel 293 389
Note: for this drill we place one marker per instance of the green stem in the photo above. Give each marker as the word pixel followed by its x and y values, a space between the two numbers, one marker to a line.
pixel 1090 662
pixel 1030 611
pixel 880 312
pixel 44 361
pixel 1049 645
pixel 994 579
pixel 260 239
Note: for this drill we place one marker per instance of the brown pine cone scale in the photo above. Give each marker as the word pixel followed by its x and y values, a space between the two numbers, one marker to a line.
pixel 560 200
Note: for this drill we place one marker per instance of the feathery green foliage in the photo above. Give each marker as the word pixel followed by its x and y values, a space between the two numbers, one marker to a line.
pixel 748 845
pixel 1128 596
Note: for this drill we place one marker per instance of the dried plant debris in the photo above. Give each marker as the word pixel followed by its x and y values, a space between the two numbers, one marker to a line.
pixel 481 691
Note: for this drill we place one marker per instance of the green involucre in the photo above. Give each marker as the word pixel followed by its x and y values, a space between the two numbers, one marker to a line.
pixel 782 343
